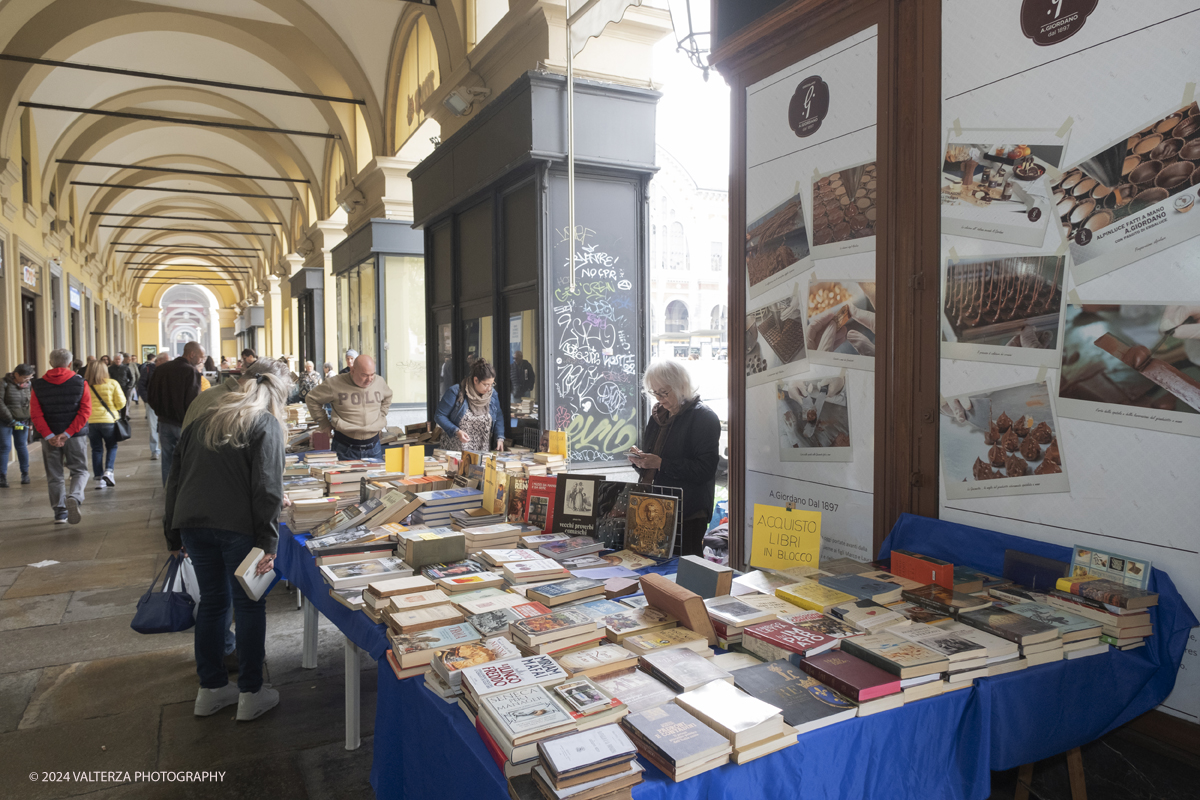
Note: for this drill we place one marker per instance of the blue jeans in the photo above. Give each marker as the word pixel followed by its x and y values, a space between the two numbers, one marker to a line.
pixel 103 436
pixel 215 555
pixel 8 438
pixel 350 452
pixel 168 436
pixel 152 418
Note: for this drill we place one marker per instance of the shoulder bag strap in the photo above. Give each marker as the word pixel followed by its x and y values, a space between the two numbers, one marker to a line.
pixel 101 399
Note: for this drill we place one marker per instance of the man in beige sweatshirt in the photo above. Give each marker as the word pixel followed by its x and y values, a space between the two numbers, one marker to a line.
pixel 360 401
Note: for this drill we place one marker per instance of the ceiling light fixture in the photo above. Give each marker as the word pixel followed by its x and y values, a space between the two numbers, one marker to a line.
pixel 461 100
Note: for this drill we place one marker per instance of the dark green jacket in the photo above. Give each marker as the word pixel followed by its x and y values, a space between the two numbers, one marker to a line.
pixel 239 490
pixel 14 401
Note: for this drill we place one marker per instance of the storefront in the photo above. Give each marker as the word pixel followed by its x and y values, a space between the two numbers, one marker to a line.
pixel 493 202
pixel 308 290
pixel 380 280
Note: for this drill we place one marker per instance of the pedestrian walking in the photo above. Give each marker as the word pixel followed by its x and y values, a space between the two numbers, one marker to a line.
pixel 14 420
pixel 107 402
pixel 60 405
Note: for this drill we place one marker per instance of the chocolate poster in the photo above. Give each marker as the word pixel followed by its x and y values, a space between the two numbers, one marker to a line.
pixel 1133 364
pixel 775 336
pixel 1135 197
pixel 804 122
pixel 814 418
pixel 845 211
pixel 994 184
pixel 1002 442
pixel 1005 309
pixel 839 322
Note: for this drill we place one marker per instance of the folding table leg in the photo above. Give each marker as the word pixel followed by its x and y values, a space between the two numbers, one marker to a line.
pixel 308 657
pixel 299 596
pixel 353 696
pixel 1024 778
pixel 1075 771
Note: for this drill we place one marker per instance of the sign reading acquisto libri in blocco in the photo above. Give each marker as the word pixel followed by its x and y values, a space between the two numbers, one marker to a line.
pixel 785 538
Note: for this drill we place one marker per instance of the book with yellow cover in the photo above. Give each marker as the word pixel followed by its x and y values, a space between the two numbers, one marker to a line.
pixel 813 596
pixel 1065 584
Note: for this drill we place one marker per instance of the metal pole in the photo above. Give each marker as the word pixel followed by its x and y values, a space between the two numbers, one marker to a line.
pixel 570 148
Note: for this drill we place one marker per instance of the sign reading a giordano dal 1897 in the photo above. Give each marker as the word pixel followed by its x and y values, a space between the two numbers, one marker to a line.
pixel 783 539
pixel 1049 22
pixel 809 106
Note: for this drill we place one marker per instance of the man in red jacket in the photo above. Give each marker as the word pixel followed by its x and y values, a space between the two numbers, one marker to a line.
pixel 59 407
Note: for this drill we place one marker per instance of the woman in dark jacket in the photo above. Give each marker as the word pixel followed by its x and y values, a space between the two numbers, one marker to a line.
pixel 682 441
pixel 469 413
pixel 235 453
pixel 14 420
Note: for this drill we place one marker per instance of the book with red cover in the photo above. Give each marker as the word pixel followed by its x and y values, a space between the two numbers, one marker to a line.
pixel 851 676
pixel 490 744
pixel 921 568
pixel 539 501
pixel 785 640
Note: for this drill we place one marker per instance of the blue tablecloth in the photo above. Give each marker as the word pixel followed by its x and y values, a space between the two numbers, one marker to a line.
pixel 295 563
pixel 1037 713
pixel 944 747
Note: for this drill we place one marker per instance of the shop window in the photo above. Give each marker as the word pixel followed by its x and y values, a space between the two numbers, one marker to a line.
pixel 445 345
pixel 679 253
pixel 404 329
pixel 677 317
pixel 523 381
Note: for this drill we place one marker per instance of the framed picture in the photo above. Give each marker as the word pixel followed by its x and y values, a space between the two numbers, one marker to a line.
pixel 149 351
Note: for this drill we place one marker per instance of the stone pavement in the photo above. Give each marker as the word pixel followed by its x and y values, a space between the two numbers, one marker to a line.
pixel 81 691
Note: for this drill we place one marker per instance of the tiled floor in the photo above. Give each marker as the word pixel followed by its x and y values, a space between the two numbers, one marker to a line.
pixel 81 691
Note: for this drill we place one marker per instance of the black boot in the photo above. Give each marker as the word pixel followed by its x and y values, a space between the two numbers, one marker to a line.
pixel 24 477
pixel 3 481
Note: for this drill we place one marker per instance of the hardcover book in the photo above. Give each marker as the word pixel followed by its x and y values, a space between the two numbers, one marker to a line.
pixel 586 751
pixel 422 619
pixel 1010 626
pixel 915 613
pixel 496 623
pixel 852 677
pixel 635 621
pixel 583 698
pixel 539 506
pixel 359 573
pixel 666 639
pixel 737 716
pixel 997 648
pixel 418 648
pixel 706 578
pixel 450 663
pixel 526 713
pixel 862 588
pixel 1109 592
pixel 896 655
pixel 760 582
pixel 923 569
pixel 555 625
pixel 650 523
pixel 612 503
pixel 866 615
pixel 813 596
pixel 956 649
pixel 569 548
pixel 683 670
pixel 943 600
pixel 599 609
pixel 774 640
pixel 1071 627
pixel 638 690
pixel 675 737
pixel 817 622
pixel 434 547
pixel 560 592
pixel 806 703
pixel 735 612
pixel 453 569
pixel 594 662
pixel 575 504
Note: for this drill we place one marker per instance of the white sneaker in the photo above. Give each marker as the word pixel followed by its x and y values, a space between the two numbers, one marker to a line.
pixel 210 701
pixel 100 484
pixel 109 479
pixel 252 705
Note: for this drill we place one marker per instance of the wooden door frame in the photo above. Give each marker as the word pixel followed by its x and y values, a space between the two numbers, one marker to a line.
pixel 908 243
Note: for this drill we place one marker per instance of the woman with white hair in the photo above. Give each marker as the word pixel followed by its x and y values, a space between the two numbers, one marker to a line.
pixel 683 439
pixel 234 452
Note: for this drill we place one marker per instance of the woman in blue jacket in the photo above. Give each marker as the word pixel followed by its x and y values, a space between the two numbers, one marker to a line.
pixel 469 413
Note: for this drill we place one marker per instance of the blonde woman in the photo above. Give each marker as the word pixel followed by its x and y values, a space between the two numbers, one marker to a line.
pixel 107 401
pixel 235 453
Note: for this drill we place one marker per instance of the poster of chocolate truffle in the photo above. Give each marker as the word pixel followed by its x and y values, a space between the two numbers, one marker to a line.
pixel 1144 189
pixel 1133 364
pixel 775 336
pixel 1006 309
pixel 804 122
pixel 1002 442
pixel 845 210
pixel 814 418
pixel 994 184
pixel 839 328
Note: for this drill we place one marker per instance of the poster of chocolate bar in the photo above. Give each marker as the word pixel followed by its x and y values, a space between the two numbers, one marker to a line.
pixel 813 413
pixel 813 117
pixel 845 211
pixel 1133 364
pixel 839 313
pixel 1135 197
pixel 1002 442
pixel 995 186
pixel 775 336
pixel 1005 309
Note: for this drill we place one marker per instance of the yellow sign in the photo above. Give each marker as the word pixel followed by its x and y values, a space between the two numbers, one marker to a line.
pixel 783 539
pixel 393 459
pixel 558 443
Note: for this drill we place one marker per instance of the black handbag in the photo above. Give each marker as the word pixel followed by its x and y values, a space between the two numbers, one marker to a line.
pixel 165 611
pixel 122 422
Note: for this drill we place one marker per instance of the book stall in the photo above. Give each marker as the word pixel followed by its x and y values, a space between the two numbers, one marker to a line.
pixel 543 660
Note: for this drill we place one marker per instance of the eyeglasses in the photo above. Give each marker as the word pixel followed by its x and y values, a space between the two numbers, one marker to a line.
pixel 661 394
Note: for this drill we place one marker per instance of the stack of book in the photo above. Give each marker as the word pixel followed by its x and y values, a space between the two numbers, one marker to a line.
pixel 753 728
pixel 806 703
pixel 500 557
pixel 667 639
pixel 438 505
pixel 524 674
pixel 731 615
pixel 590 705
pixel 901 658
pixel 491 537
pixel 682 669
pixel 444 677
pixel 809 594
pixel 535 569
pixel 867 615
pixel 536 540
pixel 555 633
pixel 967 660
pixel 308 514
pixel 1080 636
pixel 351 571
pixel 1039 643
pixel 411 654
pixel 571 547
pixel 596 764
pixel 474 518
pixel 777 639
pixel 677 742
pixel 559 593
pixel 303 487
pixel 870 688
pixel 1122 611
pixel 635 621
pixel 600 660
pixel 494 616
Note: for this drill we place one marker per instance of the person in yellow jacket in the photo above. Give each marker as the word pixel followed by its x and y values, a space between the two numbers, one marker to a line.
pixel 107 401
